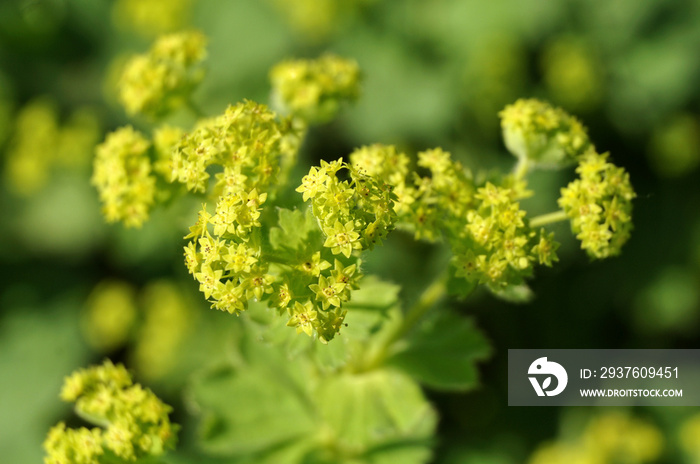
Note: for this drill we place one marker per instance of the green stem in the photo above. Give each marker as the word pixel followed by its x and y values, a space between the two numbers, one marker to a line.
pixel 549 218
pixel 430 296
pixel 521 168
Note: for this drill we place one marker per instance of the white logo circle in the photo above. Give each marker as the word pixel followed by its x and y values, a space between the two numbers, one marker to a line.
pixel 542 366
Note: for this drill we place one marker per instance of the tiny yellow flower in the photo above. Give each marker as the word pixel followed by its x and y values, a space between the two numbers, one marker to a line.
pixel 342 238
pixel 304 317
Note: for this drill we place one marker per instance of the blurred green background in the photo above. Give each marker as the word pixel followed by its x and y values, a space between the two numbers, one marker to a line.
pixel 436 73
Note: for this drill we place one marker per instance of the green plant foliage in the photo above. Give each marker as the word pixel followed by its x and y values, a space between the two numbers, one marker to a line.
pixel 359 400
pixel 341 413
pixel 442 353
pixel 360 249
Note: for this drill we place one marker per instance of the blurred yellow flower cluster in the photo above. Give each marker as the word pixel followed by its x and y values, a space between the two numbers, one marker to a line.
pixel 162 80
pixel 314 90
pixel 122 175
pixel 135 422
pixel 610 438
pixel 40 143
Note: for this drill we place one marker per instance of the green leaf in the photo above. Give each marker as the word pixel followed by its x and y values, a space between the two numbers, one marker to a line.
pixel 459 286
pixel 297 232
pixel 374 294
pixel 378 413
pixel 442 353
pixel 263 407
pixel 258 403
pixel 40 344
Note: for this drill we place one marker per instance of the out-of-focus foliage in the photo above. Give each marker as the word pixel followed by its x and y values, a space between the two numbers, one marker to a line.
pixel 150 18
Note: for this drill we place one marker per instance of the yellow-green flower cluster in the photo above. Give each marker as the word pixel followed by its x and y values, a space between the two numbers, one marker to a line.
pixel 599 205
pixel 40 144
pixel 163 79
pixel 122 175
pixel 607 439
pixel 135 422
pixel 232 271
pixel 225 250
pixel 442 199
pixel 485 227
pixel 499 248
pixel 314 90
pixel 431 206
pixel 224 256
pixel 384 163
pixel 152 17
pixel 247 140
pixel 354 214
pixel 312 292
pixel 425 205
pixel 165 138
pixel 540 134
pixel 320 310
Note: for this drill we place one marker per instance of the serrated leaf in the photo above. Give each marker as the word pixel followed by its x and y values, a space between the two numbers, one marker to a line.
pixel 248 412
pixel 297 231
pixel 442 353
pixel 377 412
pixel 266 408
pixel 247 408
pixel 459 287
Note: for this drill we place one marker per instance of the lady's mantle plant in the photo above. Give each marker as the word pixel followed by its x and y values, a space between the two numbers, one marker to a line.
pixel 132 422
pixel 356 399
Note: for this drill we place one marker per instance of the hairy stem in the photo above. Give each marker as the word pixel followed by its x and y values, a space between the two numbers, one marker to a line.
pixel 549 218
